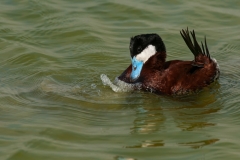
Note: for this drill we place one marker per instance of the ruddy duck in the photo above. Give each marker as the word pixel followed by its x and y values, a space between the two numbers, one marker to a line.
pixel 150 68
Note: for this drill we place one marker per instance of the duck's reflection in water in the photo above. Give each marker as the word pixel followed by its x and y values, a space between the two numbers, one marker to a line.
pixel 148 120
pixel 189 117
pixel 199 144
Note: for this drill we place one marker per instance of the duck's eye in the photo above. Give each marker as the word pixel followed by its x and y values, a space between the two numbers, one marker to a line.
pixel 139 49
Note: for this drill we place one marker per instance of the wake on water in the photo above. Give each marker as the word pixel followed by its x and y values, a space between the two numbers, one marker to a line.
pixel 118 85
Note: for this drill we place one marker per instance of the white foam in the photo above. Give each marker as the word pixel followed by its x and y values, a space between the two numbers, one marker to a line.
pixel 118 85
pixel 218 69
pixel 215 61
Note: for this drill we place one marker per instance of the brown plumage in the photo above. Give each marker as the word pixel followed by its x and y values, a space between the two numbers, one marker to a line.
pixel 176 76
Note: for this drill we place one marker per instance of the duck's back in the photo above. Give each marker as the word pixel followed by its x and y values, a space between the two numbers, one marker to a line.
pixel 180 77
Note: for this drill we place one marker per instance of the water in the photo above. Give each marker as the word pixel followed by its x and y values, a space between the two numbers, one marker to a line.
pixel 54 104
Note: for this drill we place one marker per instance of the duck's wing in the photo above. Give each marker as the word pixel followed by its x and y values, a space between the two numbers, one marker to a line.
pixel 195 47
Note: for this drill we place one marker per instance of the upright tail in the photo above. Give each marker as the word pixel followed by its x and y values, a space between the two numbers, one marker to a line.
pixel 194 46
pixel 201 55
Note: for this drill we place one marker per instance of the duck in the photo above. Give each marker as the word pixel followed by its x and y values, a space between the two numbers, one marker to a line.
pixel 150 70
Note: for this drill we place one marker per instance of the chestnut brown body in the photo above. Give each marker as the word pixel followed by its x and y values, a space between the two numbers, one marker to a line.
pixel 176 76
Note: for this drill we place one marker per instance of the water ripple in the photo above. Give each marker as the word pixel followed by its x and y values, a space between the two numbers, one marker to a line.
pixel 55 106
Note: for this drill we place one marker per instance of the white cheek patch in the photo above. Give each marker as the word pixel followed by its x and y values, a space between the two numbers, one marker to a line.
pixel 148 52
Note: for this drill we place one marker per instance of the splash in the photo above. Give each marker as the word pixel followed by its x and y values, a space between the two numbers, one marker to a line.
pixel 118 85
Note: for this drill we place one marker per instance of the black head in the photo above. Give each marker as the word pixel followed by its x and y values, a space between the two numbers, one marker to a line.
pixel 143 48
pixel 140 42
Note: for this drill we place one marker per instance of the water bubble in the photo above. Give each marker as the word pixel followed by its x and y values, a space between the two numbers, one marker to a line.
pixel 99 92
pixel 93 86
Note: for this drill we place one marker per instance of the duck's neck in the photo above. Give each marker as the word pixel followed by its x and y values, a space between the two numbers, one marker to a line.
pixel 157 61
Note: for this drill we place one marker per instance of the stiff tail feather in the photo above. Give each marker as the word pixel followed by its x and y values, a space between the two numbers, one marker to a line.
pixel 193 45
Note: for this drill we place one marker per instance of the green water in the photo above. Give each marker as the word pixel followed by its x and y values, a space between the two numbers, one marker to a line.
pixel 54 105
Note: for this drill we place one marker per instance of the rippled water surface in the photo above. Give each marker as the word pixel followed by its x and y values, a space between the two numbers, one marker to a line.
pixel 54 104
